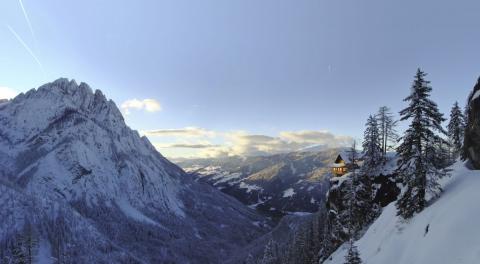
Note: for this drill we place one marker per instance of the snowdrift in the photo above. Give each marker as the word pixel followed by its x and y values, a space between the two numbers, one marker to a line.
pixel 445 232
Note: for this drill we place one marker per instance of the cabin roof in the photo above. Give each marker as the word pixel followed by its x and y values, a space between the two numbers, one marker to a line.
pixel 343 159
pixel 339 162
pixel 339 159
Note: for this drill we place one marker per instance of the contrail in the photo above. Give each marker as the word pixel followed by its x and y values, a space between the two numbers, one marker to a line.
pixel 26 47
pixel 28 20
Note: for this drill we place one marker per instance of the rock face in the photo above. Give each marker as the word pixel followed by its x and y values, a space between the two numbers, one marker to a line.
pixel 471 146
pixel 94 191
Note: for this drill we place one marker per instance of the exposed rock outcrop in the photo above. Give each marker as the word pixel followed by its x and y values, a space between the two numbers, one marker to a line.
pixel 471 146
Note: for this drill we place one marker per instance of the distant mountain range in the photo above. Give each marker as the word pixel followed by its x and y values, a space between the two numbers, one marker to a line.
pixel 292 183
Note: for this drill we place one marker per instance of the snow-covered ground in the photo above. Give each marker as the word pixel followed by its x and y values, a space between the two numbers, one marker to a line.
pixel 249 187
pixel 132 212
pixel 288 192
pixel 44 253
pixel 453 235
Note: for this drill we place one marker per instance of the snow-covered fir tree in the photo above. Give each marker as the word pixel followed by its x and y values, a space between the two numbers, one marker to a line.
pixel 456 130
pixel 352 257
pixel 388 135
pixel 358 197
pixel 270 254
pixel 372 150
pixel 418 171
pixel 349 205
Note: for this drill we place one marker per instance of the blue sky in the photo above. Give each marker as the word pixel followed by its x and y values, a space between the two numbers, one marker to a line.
pixel 244 76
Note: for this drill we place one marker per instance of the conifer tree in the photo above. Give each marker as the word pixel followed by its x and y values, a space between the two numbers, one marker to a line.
pixel 19 253
pixel 387 129
pixel 372 150
pixel 351 197
pixel 456 130
pixel 30 243
pixel 352 257
pixel 270 254
pixel 417 170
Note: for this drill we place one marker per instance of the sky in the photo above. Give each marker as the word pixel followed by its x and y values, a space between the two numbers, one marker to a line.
pixel 247 77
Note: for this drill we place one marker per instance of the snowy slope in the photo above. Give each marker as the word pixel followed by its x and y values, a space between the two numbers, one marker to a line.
pixel 453 235
pixel 67 155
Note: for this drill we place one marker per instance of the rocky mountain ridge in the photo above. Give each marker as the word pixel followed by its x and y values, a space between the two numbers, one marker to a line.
pixel 94 191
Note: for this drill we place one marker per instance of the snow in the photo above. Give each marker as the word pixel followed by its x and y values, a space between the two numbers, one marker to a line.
pixel 133 213
pixel 226 177
pixel 249 187
pixel 44 253
pixel 288 192
pixel 341 179
pixel 476 95
pixel 299 213
pixel 292 168
pixel 452 221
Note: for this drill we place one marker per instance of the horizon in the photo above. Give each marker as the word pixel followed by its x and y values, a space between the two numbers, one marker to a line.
pixel 243 78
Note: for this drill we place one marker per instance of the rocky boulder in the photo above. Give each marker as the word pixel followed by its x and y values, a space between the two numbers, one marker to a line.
pixel 471 146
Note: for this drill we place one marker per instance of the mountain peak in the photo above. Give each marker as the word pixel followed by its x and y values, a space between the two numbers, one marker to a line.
pixel 66 153
pixel 38 108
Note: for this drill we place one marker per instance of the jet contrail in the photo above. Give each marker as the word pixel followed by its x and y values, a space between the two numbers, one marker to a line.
pixel 28 20
pixel 26 47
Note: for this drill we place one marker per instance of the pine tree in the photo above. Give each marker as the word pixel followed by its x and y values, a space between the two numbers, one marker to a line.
pixel 387 129
pixel 270 254
pixel 30 243
pixel 372 150
pixel 19 254
pixel 351 195
pixel 362 206
pixel 456 130
pixel 418 171
pixel 352 257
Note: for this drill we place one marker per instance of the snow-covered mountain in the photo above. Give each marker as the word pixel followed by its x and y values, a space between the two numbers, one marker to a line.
pixel 445 232
pixel 276 185
pixel 94 191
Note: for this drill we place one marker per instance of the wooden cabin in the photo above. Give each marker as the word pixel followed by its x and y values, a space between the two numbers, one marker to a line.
pixel 339 167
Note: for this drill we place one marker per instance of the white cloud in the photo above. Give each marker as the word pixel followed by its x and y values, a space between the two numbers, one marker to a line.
pixel 149 105
pixel 186 145
pixel 319 137
pixel 288 141
pixel 7 93
pixel 242 143
pixel 187 132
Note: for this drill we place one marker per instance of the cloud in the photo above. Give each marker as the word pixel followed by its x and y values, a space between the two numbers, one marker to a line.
pixel 288 141
pixel 315 137
pixel 187 132
pixel 149 105
pixel 7 93
pixel 242 143
pixel 186 145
